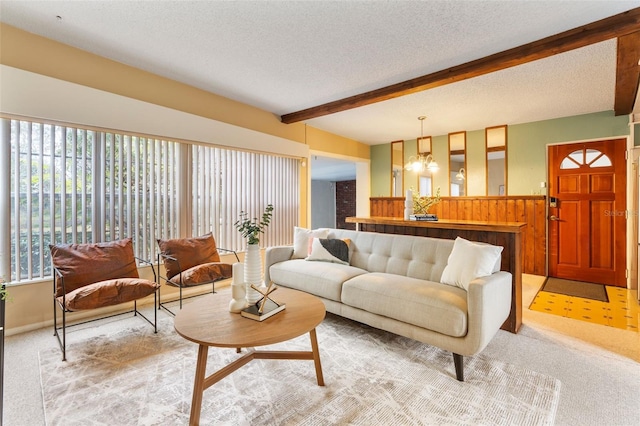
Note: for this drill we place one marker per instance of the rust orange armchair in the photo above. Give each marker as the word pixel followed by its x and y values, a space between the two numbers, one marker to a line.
pixel 90 276
pixel 191 262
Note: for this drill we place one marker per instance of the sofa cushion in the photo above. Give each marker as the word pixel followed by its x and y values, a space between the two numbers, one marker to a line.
pixel 302 238
pixel 108 293
pixel 434 306
pixel 469 260
pixel 202 274
pixel 424 258
pixel 189 251
pixel 84 264
pixel 329 250
pixel 322 279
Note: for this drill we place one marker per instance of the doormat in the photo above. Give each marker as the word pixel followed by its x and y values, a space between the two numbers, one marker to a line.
pixel 576 288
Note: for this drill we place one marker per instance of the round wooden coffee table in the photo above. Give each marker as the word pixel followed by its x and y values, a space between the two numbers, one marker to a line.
pixel 208 322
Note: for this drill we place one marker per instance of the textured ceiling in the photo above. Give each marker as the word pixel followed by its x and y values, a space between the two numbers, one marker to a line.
pixel 284 56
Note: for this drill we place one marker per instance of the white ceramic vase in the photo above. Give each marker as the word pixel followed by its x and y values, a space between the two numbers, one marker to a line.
pixel 252 272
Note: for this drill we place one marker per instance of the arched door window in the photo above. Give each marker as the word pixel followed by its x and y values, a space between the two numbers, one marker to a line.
pixel 585 157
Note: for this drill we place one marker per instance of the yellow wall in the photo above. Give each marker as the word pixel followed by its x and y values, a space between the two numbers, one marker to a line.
pixel 37 54
pixel 40 55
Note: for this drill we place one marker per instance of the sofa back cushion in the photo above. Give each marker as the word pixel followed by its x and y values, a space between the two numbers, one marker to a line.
pixel 416 257
pixel 84 264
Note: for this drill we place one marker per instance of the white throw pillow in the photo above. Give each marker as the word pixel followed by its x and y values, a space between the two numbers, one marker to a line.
pixel 302 238
pixel 468 261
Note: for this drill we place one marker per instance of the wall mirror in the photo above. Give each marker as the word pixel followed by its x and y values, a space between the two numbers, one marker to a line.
pixel 425 181
pixel 397 169
pixel 457 164
pixel 496 139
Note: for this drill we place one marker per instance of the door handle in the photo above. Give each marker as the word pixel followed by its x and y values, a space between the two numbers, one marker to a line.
pixel 553 217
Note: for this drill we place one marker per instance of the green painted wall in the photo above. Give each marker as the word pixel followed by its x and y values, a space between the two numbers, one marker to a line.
pixel 527 143
pixel 526 152
pixel 636 134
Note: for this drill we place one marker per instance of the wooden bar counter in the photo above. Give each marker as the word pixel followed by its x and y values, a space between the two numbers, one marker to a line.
pixel 505 234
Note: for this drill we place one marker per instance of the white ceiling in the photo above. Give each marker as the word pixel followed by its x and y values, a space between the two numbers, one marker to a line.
pixel 284 56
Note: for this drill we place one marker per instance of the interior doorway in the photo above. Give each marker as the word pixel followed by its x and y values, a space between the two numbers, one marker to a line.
pixel 333 191
pixel 587 212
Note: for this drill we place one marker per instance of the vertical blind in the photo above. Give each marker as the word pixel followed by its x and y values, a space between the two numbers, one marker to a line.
pixel 75 185
pixel 226 183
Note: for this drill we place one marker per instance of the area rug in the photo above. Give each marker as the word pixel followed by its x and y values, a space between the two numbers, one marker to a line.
pixel 134 377
pixel 576 288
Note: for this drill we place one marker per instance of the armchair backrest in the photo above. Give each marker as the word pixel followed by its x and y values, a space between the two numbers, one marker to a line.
pixel 84 264
pixel 189 252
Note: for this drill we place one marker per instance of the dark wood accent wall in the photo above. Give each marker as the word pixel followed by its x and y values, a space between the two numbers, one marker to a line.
pixel 528 209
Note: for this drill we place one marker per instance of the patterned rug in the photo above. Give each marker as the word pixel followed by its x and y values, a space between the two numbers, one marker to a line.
pixel 134 377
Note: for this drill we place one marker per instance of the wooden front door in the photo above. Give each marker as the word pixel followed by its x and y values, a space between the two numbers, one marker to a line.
pixel 587 228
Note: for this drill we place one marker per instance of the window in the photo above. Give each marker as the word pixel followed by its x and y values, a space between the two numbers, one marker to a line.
pixel 227 182
pixel 588 157
pixel 77 185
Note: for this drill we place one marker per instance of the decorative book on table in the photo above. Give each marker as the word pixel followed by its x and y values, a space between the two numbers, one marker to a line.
pixel 270 308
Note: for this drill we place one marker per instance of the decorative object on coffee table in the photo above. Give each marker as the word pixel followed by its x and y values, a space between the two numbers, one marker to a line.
pixel 265 307
pixel 251 230
pixel 238 291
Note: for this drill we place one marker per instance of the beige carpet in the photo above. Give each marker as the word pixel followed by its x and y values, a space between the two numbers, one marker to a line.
pixel 134 377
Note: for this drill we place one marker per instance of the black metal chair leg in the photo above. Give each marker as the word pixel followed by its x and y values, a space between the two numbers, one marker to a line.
pixel 64 335
pixel 55 318
pixel 155 311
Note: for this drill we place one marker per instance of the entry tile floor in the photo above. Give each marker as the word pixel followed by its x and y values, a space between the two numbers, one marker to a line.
pixel 622 310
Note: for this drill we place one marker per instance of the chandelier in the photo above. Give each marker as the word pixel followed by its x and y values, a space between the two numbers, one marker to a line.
pixel 461 174
pixel 419 163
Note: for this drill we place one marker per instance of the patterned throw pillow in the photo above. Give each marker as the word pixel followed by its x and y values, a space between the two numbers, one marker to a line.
pixel 329 250
pixel 302 240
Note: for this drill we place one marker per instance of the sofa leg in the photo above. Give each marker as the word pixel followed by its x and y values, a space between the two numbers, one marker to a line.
pixel 459 364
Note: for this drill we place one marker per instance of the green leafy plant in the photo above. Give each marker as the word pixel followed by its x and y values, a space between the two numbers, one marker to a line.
pixel 252 228
pixel 421 205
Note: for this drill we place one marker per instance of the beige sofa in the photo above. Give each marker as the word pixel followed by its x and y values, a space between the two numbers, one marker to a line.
pixel 393 282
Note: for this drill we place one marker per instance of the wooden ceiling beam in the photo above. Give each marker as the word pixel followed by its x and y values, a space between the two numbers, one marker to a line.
pixel 627 73
pixel 618 25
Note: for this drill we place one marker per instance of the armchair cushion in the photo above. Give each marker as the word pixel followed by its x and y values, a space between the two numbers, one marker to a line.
pixel 190 252
pixel 107 293
pixel 84 264
pixel 204 273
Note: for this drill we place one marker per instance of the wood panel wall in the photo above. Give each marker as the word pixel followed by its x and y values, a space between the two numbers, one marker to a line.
pixel 528 209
